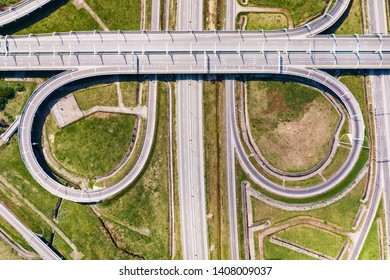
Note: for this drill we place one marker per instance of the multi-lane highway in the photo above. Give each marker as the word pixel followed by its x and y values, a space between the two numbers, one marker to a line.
pixel 294 52
pixel 190 146
pixel 191 52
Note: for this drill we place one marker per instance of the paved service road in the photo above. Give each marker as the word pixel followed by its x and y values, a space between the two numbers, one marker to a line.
pixel 33 240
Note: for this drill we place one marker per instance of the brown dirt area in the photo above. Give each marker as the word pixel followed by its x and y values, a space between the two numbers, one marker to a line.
pixel 301 144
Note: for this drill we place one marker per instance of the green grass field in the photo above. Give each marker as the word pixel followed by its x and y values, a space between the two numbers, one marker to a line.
pixel 341 213
pixel 371 249
pixel 266 21
pixel 14 171
pixel 300 10
pixel 353 23
pixel 121 15
pixel 15 106
pixel 276 252
pixel 95 145
pixel 129 93
pixel 314 238
pixel 144 204
pixel 98 95
pixel 65 19
pixel 6 253
pixel 355 84
pixel 83 227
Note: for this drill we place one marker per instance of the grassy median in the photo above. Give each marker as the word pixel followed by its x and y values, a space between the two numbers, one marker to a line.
pixel 215 170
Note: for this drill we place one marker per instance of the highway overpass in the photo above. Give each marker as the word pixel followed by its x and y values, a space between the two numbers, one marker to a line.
pixel 191 52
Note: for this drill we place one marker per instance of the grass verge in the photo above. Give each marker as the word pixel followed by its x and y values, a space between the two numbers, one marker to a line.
pixel 144 204
pixel 266 21
pixel 93 146
pixel 300 10
pixel 215 169
pixel 371 249
pixel 276 252
pixel 314 238
pixel 66 18
pixel 121 15
pixel 100 95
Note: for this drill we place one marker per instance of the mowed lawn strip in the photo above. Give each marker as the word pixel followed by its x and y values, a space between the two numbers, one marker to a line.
pixel 95 145
pixel 314 238
pixel 65 19
pixel 118 15
pixel 300 10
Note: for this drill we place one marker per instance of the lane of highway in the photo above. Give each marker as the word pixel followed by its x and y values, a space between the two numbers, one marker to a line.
pixel 190 147
pixel 230 155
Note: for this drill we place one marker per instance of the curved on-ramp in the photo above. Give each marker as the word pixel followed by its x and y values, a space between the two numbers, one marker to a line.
pixel 86 196
pixel 20 10
pixel 26 147
pixel 356 127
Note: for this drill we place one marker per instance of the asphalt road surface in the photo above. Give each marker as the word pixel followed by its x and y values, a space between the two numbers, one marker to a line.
pixel 380 86
pixel 190 146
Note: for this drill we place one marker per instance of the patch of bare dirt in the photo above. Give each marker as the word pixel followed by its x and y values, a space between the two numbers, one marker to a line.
pixel 301 144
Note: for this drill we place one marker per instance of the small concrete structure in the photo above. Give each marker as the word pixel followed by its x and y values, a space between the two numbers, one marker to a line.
pixel 66 110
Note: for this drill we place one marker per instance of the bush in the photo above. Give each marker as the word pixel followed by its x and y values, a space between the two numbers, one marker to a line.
pixel 6 93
